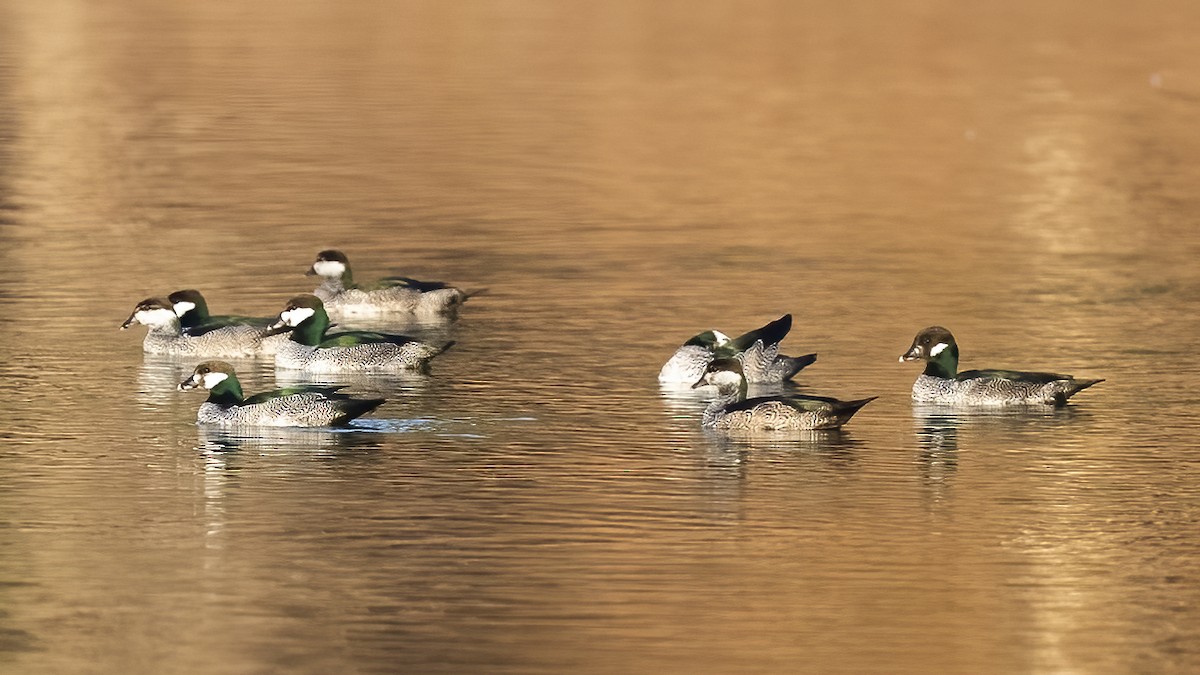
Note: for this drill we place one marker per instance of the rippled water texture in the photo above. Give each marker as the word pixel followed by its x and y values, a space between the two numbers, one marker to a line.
pixel 620 175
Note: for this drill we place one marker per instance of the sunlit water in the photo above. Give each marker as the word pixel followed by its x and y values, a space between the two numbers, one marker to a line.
pixel 620 176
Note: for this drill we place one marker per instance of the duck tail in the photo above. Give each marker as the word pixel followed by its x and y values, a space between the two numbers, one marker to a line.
pixel 356 407
pixel 845 410
pixel 796 363
pixel 1079 385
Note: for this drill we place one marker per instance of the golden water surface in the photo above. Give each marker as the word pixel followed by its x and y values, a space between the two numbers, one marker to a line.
pixel 620 176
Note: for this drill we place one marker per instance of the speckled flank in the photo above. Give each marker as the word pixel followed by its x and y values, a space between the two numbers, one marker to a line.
pixel 776 415
pixel 309 409
pixel 372 357
pixel 343 303
pixel 994 391
pixel 228 342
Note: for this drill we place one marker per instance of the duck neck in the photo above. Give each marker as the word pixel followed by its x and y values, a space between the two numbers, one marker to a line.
pixel 311 331
pixel 725 396
pixel 169 327
pixel 339 283
pixel 944 364
pixel 227 393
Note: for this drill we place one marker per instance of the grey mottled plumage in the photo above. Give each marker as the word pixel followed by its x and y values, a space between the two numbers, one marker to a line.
pixel 345 299
pixel 758 349
pixel 732 411
pixel 305 406
pixel 942 383
pixel 165 335
pixel 311 350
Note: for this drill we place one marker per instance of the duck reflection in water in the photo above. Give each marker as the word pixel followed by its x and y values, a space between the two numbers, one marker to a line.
pixel 937 436
pixel 365 435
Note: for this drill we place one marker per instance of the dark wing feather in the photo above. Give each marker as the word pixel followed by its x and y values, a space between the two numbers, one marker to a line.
pixel 328 392
pixel 362 337
pixel 770 334
pixel 1015 375
pixel 403 282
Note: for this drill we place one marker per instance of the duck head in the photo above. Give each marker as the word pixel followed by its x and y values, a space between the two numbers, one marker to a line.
pixel 305 317
pixel 189 300
pixel 152 312
pixel 726 374
pixel 936 346
pixel 330 264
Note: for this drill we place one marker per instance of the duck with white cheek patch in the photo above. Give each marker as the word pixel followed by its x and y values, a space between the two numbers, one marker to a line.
pixel 304 406
pixel 941 383
pixel 311 350
pixel 166 336
pixel 345 299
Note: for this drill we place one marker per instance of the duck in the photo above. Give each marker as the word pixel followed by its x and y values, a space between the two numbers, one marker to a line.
pixel 758 349
pixel 345 299
pixel 310 349
pixel 194 319
pixel 303 406
pixel 941 383
pixel 732 411
pixel 166 337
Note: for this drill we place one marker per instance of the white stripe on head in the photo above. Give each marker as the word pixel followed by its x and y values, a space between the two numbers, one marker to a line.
pixel 938 348
pixel 297 316
pixel 213 378
pixel 160 316
pixel 329 268
pixel 721 338
pixel 183 307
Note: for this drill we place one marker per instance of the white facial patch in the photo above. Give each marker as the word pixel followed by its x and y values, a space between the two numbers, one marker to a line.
pixel 721 338
pixel 213 379
pixel 724 378
pixel 938 348
pixel 297 316
pixel 329 268
pixel 183 307
pixel 155 317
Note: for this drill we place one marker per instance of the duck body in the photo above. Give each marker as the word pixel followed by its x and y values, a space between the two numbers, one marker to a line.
pixel 732 411
pixel 942 384
pixel 309 349
pixel 758 349
pixel 165 335
pixel 688 363
pixel 305 406
pixel 346 300
pixel 195 320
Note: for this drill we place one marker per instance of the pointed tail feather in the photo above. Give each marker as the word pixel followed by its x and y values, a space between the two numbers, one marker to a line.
pixel 356 407
pixel 846 409
pixel 1079 385
pixel 796 363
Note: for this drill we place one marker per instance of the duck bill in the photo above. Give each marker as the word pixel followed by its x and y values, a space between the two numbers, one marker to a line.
pixel 130 321
pixel 312 271
pixel 190 383
pixel 913 354
pixel 277 328
pixel 701 383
